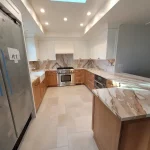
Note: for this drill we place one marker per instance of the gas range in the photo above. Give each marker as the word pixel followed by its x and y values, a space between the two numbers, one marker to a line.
pixel 65 76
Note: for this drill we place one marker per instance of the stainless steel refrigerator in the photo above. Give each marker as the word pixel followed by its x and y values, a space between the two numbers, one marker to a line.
pixel 15 89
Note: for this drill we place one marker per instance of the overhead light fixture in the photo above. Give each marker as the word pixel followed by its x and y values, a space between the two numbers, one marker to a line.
pixel 88 13
pixel 70 1
pixel 42 10
pixel 65 19
pixel 46 23
pixel 81 24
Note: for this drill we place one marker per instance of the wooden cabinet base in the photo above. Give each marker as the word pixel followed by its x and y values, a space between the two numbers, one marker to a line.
pixel 110 133
pixel 51 78
pixel 39 90
pixel 89 80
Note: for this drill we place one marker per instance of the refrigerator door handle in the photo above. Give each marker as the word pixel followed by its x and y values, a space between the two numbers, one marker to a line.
pixel 6 72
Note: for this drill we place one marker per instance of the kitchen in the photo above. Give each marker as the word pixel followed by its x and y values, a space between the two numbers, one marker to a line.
pixel 74 75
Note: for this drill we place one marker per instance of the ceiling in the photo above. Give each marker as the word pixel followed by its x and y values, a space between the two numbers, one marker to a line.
pixel 75 12
pixel 30 27
pixel 125 12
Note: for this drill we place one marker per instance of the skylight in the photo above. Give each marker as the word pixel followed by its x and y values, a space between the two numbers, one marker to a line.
pixel 71 1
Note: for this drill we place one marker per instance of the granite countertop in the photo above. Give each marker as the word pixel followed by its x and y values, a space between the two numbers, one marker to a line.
pixel 126 103
pixel 37 74
pixel 125 80
pixel 33 78
pixel 118 76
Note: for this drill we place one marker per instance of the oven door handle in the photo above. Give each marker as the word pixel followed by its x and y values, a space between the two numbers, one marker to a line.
pixel 100 84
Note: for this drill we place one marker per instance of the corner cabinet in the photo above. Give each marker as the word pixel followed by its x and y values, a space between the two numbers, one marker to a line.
pixel 79 76
pixel 104 45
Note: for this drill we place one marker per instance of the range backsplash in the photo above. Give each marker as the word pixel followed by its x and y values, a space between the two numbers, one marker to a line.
pixel 66 60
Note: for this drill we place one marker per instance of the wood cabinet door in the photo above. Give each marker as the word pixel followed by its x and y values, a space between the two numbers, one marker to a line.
pixel 79 76
pixel 106 126
pixel 86 77
pixel 51 78
pixel 89 80
pixel 37 95
pixel 54 80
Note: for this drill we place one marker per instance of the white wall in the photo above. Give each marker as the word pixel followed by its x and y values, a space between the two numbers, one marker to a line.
pixel 133 50
pixel 104 45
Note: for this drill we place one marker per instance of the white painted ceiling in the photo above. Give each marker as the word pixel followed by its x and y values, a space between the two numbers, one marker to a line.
pixel 124 12
pixel 75 12
pixel 30 27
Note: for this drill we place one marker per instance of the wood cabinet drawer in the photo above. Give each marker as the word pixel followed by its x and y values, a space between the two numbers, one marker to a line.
pixel 51 73
pixel 79 72
pixel 79 76
pixel 79 80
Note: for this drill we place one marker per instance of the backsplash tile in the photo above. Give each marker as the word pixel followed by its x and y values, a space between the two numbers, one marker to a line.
pixel 66 60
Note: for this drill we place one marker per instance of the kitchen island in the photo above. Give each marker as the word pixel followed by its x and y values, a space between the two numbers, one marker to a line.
pixel 121 118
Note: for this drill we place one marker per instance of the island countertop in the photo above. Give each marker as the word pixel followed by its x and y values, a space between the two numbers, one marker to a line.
pixel 126 103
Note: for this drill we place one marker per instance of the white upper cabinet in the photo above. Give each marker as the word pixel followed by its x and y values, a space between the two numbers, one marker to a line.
pixel 103 46
pixel 47 50
pixel 81 50
pixel 32 49
pixel 64 47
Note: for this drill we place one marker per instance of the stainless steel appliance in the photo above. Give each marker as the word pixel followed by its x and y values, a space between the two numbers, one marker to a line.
pixel 100 82
pixel 15 88
pixel 65 76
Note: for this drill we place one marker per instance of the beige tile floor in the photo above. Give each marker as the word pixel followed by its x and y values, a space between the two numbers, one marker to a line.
pixel 63 121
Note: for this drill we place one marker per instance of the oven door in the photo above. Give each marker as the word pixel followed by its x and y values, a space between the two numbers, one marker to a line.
pixel 66 79
pixel 99 85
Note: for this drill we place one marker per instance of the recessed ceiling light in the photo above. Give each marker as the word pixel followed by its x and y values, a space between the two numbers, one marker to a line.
pixel 88 13
pixel 46 23
pixel 65 19
pixel 81 24
pixel 42 10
